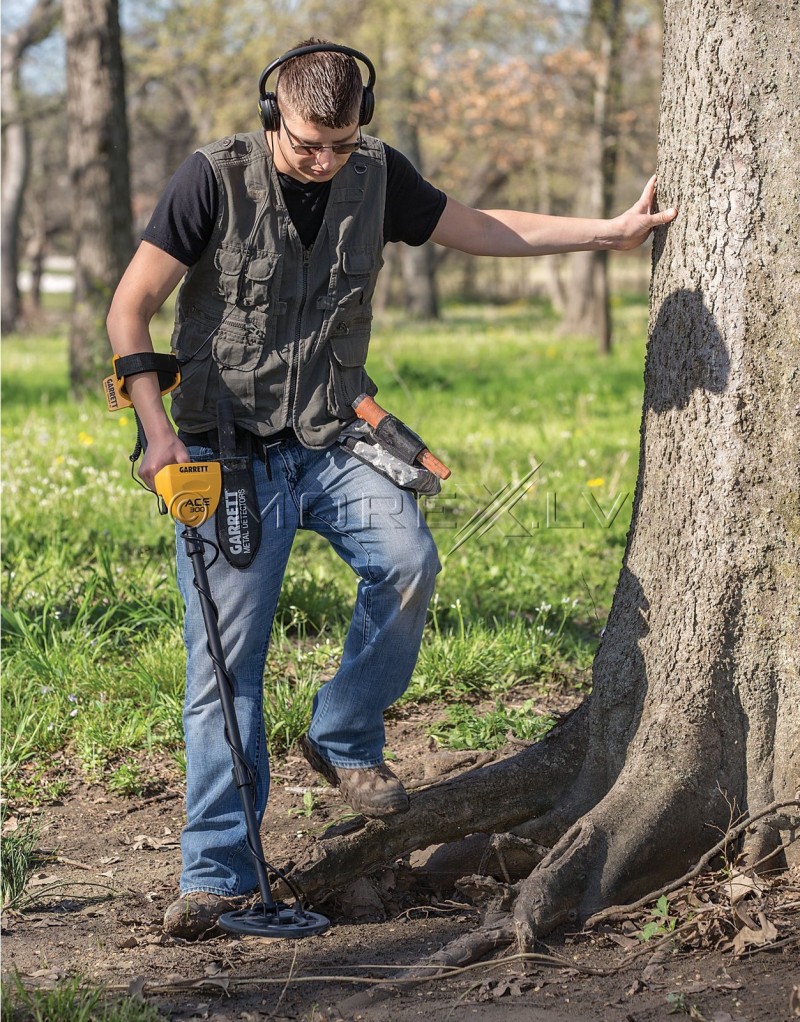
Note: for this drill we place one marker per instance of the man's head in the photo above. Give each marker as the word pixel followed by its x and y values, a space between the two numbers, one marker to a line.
pixel 314 116
pixel 323 88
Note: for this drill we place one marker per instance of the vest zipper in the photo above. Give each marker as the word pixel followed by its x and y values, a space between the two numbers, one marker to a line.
pixel 294 381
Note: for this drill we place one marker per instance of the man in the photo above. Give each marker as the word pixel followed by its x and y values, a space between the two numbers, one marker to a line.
pixel 279 236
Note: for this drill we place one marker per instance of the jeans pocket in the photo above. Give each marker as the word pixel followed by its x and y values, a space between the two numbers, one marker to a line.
pixel 199 452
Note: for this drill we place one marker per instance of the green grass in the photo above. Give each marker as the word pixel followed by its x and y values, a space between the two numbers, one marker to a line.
pixel 18 857
pixel 92 650
pixel 71 1000
pixel 465 728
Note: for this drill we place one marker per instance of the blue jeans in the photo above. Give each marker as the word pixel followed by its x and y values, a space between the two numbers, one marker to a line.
pixel 378 530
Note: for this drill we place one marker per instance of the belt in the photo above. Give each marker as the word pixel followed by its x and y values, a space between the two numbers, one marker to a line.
pixel 249 443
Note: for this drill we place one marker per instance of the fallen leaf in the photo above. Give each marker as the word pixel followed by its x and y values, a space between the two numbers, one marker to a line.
pixel 744 917
pixel 741 886
pixel 109 860
pixel 136 987
pixel 483 993
pixel 507 987
pixel 655 965
pixel 748 936
pixel 726 982
pixel 43 880
pixel 142 841
pixel 47 977
pixel 360 900
pixel 216 972
pixel 623 940
pixel 794 1001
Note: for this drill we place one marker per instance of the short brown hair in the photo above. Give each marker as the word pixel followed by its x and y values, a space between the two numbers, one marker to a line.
pixel 324 88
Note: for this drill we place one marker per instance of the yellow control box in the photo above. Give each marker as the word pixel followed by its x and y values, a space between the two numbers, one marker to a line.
pixel 190 491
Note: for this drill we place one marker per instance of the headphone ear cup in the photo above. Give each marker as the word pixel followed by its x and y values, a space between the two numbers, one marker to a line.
pixel 367 106
pixel 269 113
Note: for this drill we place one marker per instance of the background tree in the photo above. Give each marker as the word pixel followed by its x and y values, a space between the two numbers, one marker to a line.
pixel 587 300
pixel 98 165
pixel 45 225
pixel 39 23
pixel 403 34
pixel 693 719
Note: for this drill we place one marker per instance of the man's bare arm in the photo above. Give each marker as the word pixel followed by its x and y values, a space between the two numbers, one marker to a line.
pixel 147 283
pixel 506 232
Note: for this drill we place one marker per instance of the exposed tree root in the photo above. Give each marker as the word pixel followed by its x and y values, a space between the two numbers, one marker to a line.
pixel 494 798
pixel 619 850
pixel 620 911
pixel 502 929
pixel 469 948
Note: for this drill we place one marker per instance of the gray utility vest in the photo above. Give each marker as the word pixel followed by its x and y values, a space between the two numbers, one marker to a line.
pixel 281 330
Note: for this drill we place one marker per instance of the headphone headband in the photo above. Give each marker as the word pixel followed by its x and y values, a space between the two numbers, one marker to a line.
pixel 316 48
pixel 268 101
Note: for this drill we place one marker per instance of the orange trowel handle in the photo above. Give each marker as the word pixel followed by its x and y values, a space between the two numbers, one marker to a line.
pixel 370 411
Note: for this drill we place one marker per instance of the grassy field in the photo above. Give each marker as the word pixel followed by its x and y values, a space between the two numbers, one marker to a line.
pixel 542 437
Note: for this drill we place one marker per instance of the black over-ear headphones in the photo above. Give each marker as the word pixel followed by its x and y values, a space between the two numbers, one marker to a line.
pixel 268 101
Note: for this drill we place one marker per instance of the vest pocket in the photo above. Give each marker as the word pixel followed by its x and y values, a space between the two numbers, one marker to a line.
pixel 246 281
pixel 353 297
pixel 237 356
pixel 348 378
pixel 192 347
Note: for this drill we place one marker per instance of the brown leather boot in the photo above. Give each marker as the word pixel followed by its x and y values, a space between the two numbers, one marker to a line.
pixel 371 791
pixel 194 915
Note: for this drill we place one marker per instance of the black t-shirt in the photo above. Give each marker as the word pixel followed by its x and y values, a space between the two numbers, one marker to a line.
pixel 183 220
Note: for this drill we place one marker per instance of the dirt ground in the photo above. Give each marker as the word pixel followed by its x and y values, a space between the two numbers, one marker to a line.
pixel 117 861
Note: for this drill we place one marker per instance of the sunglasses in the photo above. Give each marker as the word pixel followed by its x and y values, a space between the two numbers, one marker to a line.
pixel 313 149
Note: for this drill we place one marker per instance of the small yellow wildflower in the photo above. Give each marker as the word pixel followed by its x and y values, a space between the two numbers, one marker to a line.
pixel 596 482
pixel 85 438
pixel 123 420
pixel 59 459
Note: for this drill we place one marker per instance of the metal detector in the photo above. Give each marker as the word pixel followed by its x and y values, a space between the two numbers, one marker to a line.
pixel 190 493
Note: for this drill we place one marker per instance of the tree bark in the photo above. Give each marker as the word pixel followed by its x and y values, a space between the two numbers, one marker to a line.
pixel 694 717
pixel 98 163
pixel 16 150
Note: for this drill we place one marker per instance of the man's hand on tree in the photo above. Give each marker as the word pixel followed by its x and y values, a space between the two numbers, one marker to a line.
pixel 633 227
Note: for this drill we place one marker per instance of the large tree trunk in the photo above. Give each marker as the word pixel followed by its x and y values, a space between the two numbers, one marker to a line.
pixel 694 717
pixel 16 150
pixel 98 162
